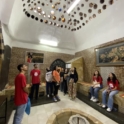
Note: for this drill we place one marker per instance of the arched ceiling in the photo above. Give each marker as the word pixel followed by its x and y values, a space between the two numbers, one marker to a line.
pixel 32 20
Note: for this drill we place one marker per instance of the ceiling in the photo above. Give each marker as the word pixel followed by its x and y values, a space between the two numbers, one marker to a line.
pixel 27 24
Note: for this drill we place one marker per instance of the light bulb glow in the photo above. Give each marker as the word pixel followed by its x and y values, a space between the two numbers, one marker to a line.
pixel 72 6
pixel 48 42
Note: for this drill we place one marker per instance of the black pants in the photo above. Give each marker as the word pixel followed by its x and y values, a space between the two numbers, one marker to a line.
pixel 49 88
pixel 65 86
pixel 56 88
pixel 35 87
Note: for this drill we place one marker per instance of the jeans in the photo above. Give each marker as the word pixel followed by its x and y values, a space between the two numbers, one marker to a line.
pixel 19 114
pixel 110 98
pixel 35 87
pixel 49 88
pixel 62 86
pixel 56 88
pixel 94 91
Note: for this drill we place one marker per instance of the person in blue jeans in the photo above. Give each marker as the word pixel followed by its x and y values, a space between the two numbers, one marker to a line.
pixel 97 85
pixel 21 94
pixel 111 90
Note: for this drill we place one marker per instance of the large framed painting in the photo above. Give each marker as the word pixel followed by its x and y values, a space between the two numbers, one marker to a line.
pixel 110 55
pixel 33 57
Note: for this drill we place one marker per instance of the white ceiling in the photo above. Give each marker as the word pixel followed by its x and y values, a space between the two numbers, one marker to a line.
pixel 25 29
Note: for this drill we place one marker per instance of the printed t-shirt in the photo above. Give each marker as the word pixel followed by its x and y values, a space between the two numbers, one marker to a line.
pixel 35 73
pixel 112 85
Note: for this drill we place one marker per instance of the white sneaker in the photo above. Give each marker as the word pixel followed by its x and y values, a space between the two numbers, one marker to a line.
pixel 108 109
pixel 95 100
pixel 54 99
pixel 92 98
pixel 103 106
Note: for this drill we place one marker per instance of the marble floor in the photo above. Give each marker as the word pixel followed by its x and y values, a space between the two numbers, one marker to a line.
pixel 40 114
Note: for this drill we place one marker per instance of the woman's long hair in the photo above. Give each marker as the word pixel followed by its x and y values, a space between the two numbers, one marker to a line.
pixel 75 71
pixel 98 73
pixel 76 74
pixel 114 78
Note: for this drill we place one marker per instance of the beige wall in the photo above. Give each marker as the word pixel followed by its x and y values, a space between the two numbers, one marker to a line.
pixel 90 67
pixel 18 57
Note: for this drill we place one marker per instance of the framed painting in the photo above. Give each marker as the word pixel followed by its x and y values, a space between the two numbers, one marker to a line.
pixel 110 55
pixel 32 57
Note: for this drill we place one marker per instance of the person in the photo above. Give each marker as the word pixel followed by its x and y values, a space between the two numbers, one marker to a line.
pixel 111 90
pixel 49 86
pixel 72 83
pixel 68 78
pixel 35 81
pixel 29 59
pixel 61 80
pixel 97 85
pixel 21 94
pixel 56 82
pixel 65 81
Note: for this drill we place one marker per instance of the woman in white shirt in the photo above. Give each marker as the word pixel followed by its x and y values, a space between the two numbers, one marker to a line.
pixel 49 85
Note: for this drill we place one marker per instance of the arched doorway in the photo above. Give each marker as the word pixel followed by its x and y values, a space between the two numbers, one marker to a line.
pixel 57 62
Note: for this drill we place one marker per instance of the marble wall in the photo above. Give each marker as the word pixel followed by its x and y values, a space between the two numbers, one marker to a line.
pixel 90 66
pixel 18 57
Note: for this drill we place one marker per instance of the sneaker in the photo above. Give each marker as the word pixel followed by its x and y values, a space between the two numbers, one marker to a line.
pixel 58 98
pixel 108 109
pixel 95 100
pixel 54 99
pixel 92 98
pixel 103 106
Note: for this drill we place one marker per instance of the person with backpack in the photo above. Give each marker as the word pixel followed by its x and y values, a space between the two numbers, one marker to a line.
pixel 49 85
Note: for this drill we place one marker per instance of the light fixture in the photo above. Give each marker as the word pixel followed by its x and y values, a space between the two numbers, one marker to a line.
pixel 35 9
pixel 72 6
pixel 52 12
pixel 39 9
pixel 48 42
pixel 49 16
pixel 68 65
pixel 43 12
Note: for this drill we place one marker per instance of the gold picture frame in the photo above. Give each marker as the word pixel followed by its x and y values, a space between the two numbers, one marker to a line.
pixel 110 55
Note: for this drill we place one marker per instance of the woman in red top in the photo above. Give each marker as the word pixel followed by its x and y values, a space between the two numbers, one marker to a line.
pixel 112 89
pixel 97 85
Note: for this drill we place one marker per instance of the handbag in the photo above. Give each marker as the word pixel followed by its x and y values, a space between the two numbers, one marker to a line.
pixel 96 85
pixel 28 107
